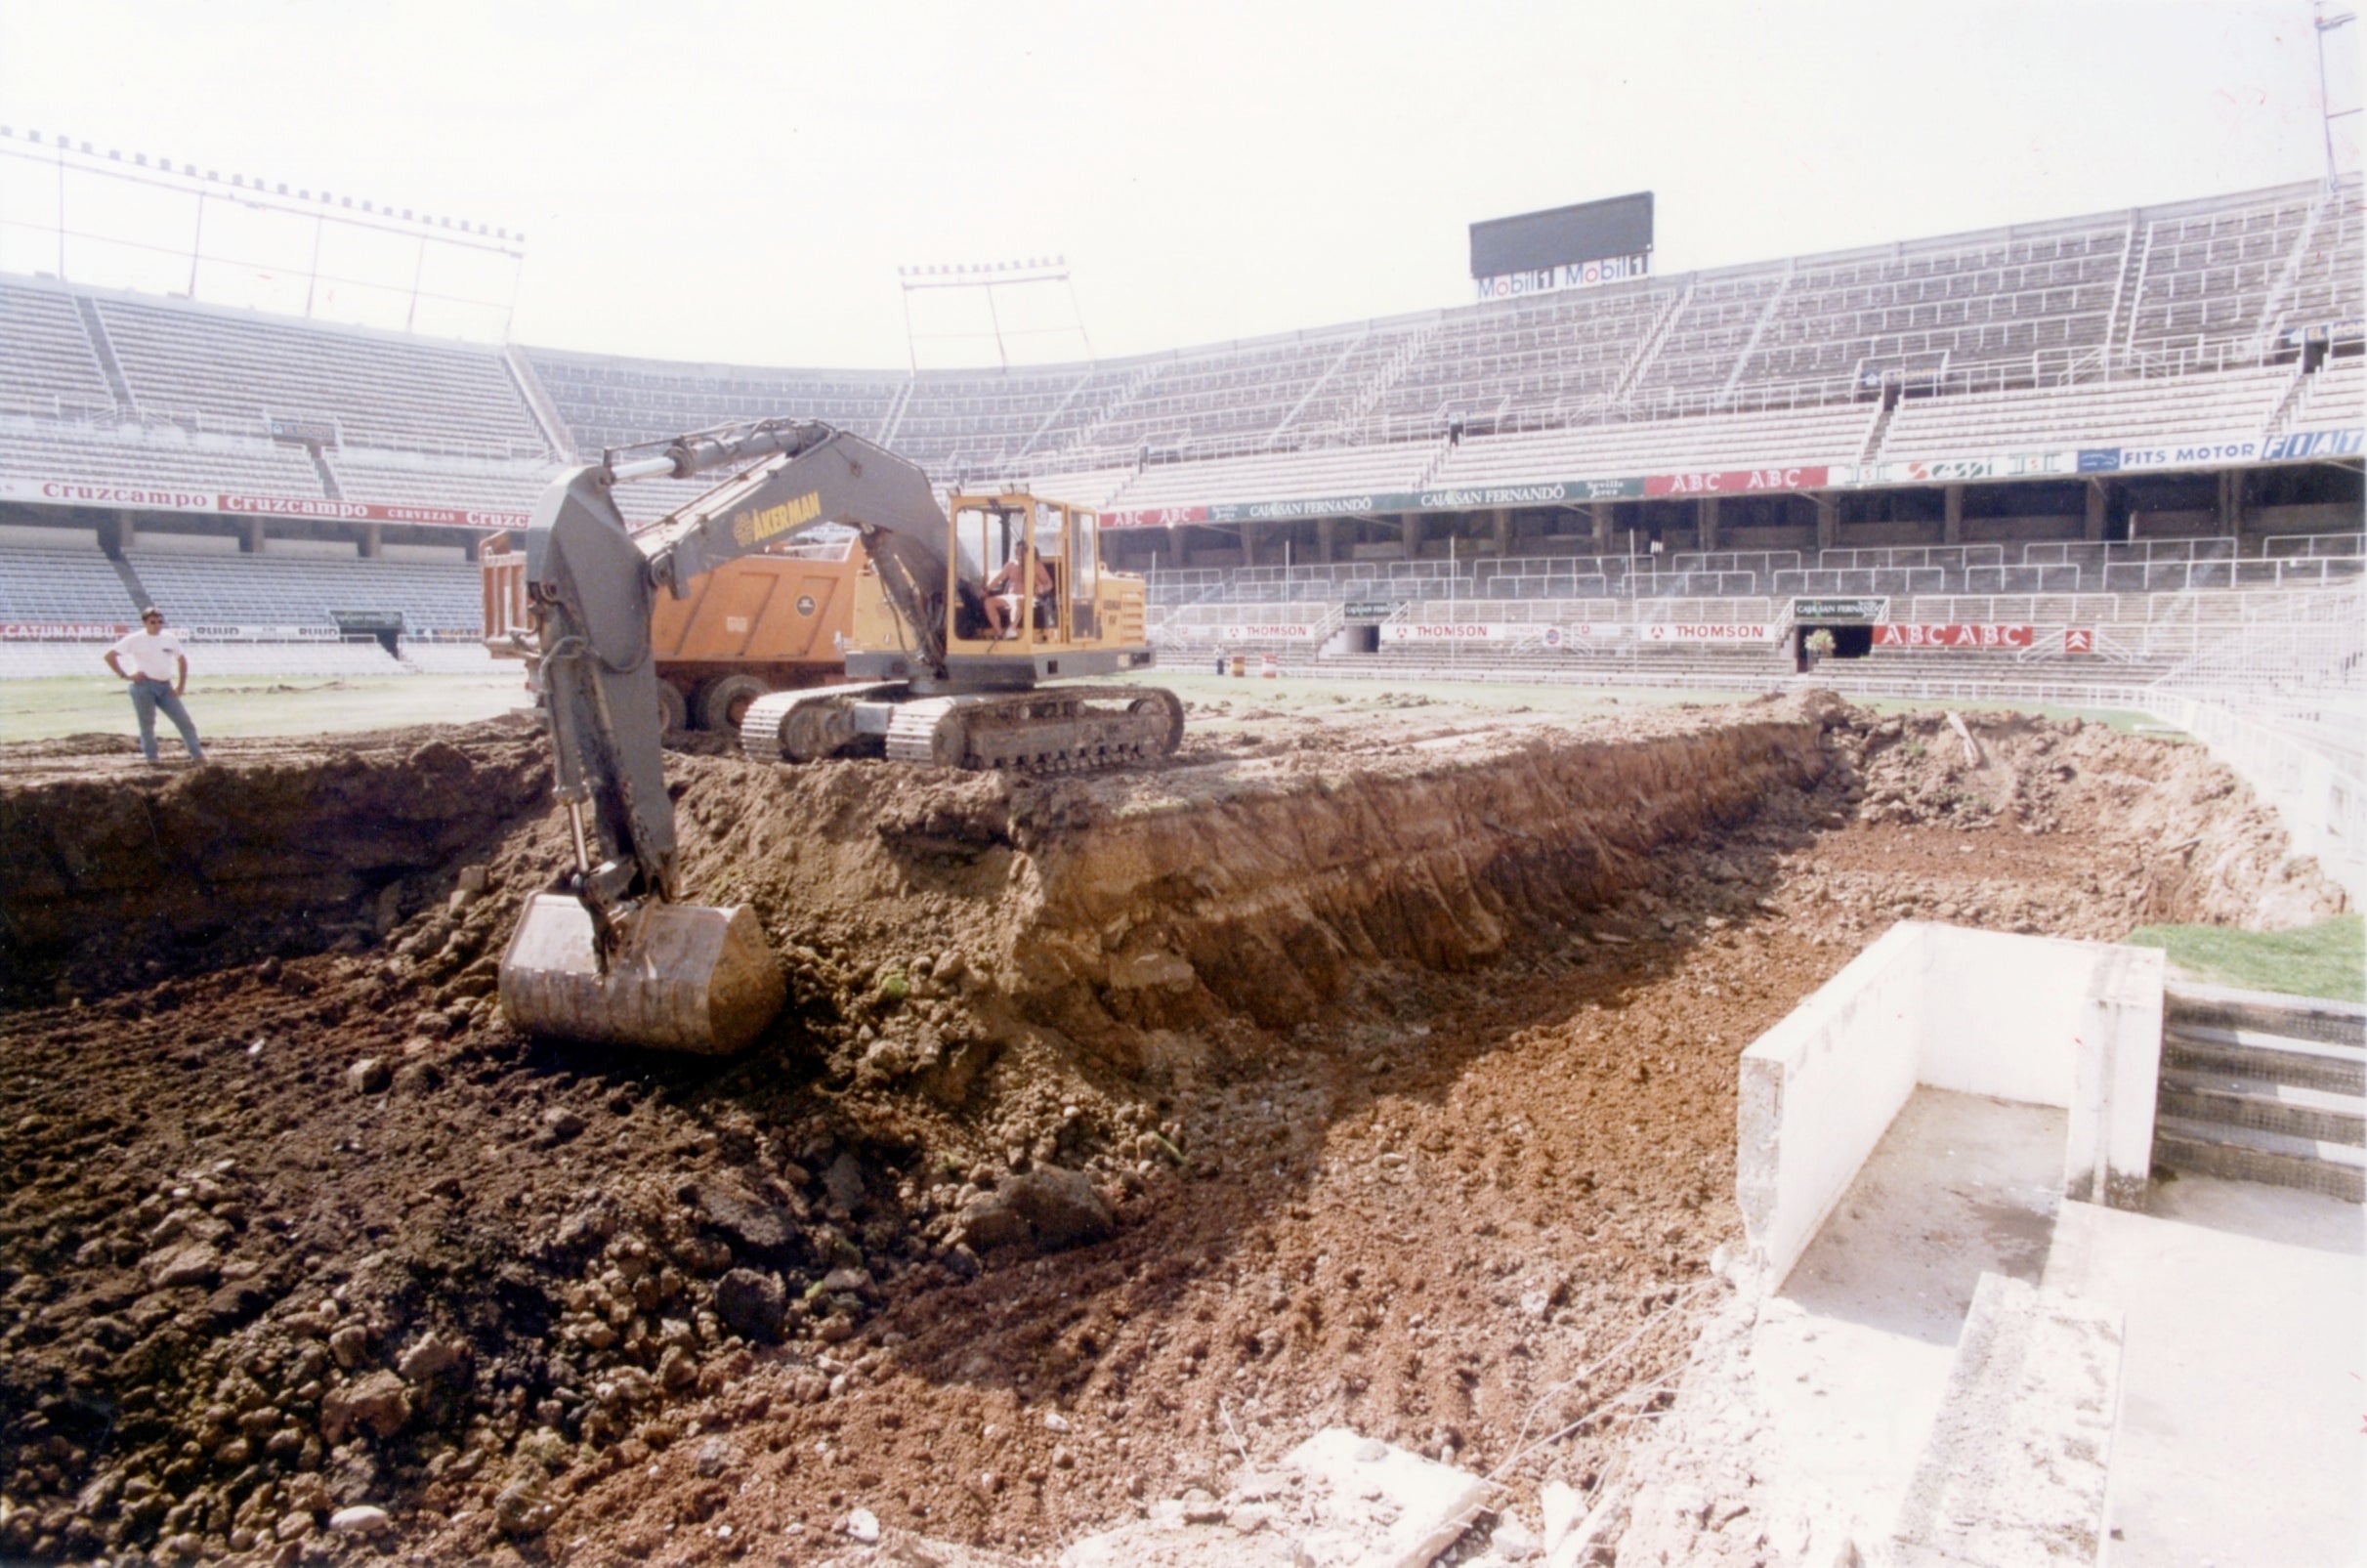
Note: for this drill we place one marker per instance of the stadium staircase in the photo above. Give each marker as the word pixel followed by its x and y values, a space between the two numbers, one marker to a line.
pixel 1742 360
pixel 103 351
pixel 2267 1088
pixel 1317 385
pixel 894 417
pixel 1649 350
pixel 2273 301
pixel 2121 318
pixel 537 400
pixel 129 576
pixel 1376 392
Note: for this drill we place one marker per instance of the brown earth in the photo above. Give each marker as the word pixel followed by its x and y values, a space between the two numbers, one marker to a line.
pixel 1377 1071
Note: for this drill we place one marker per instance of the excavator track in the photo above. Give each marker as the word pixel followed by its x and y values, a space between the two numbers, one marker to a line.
pixel 806 726
pixel 1064 729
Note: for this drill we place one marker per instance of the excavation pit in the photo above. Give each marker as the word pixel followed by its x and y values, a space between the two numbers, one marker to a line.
pixel 1373 1068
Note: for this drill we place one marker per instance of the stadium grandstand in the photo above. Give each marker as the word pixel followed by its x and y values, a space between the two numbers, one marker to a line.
pixel 2086 455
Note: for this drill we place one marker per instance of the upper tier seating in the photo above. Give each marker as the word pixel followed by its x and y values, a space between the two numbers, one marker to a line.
pixel 2326 284
pixel 610 402
pixel 960 421
pixel 2200 407
pixel 2026 304
pixel 2208 277
pixel 386 479
pixel 1279 476
pixel 1545 355
pixel 263 590
pixel 106 454
pixel 238 371
pixel 1092 487
pixel 1229 398
pixel 1830 434
pixel 46 363
pixel 2335 396
pixel 1704 348
pixel 2095 323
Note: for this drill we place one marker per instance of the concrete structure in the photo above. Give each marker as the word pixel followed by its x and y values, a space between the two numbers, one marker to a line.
pixel 1945 1355
pixel 2014 1469
pixel 2030 1019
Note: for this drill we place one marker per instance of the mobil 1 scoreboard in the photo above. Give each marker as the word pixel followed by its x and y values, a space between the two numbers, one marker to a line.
pixel 1581 246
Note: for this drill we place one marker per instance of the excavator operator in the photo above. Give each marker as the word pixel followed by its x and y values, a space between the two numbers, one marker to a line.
pixel 1002 591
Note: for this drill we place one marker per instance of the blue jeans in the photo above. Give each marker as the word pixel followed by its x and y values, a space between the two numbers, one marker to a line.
pixel 147 698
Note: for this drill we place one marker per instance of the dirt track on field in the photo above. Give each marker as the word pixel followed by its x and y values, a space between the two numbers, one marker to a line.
pixel 1377 1071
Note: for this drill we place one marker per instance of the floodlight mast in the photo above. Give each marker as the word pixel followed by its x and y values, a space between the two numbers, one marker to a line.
pixel 57 153
pixel 2323 23
pixel 985 278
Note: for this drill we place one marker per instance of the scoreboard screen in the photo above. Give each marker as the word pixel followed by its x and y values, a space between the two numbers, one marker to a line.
pixel 1537 241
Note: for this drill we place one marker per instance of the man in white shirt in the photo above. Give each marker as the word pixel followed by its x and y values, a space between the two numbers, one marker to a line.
pixel 159 672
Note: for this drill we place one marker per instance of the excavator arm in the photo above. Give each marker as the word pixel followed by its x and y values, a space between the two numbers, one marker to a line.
pixel 611 954
pixel 591 583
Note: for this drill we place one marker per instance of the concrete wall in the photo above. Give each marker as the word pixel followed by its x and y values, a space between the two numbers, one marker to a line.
pixel 2031 1019
pixel 1819 1090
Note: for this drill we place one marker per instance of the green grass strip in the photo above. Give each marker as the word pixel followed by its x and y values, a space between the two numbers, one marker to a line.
pixel 2326 960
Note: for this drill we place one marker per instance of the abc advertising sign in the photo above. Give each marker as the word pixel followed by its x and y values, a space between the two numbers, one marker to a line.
pixel 1737 481
pixel 1152 516
pixel 1910 635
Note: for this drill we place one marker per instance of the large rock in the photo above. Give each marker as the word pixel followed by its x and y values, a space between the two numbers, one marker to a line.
pixel 376 1403
pixel 843 1181
pixel 753 1221
pixel 193 1264
pixel 1049 1208
pixel 431 1357
pixel 1063 1207
pixel 752 1305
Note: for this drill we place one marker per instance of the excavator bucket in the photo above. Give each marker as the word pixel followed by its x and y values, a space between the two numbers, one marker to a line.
pixel 684 977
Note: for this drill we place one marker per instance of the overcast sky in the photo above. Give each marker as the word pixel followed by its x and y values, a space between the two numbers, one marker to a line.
pixel 740 182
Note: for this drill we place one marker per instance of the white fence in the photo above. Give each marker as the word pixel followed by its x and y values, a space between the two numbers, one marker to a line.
pixel 2324 804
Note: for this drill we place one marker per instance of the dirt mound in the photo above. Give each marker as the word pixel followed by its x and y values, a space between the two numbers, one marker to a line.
pixel 2193 844
pixel 1386 1078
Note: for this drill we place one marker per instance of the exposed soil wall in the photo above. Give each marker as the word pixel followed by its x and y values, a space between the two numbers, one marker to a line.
pixel 113 881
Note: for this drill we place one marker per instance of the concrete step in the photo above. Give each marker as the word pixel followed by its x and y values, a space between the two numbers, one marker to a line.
pixel 2332 1023
pixel 2264 1105
pixel 2247 1154
pixel 2252 1054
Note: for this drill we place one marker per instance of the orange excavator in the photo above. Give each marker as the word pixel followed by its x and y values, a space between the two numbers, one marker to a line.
pixel 937 678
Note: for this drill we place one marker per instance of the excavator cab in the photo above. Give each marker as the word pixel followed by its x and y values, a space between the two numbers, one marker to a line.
pixel 1082 620
pixel 1002 544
